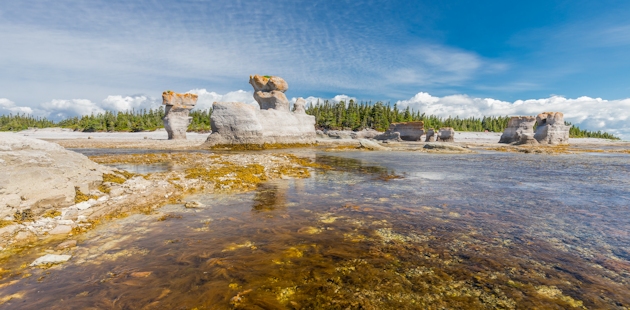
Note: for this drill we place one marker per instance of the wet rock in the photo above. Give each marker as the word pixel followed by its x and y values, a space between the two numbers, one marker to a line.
pixel 446 134
pixel 236 123
pixel 51 259
pixel 445 147
pixel 551 129
pixel 371 145
pixel 527 139
pixel 193 205
pixel 61 230
pixel 176 119
pixel 516 128
pixel 24 235
pixel 430 137
pixel 67 244
pixel 140 274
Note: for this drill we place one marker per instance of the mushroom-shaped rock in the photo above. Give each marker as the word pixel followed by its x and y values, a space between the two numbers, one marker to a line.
pixel 239 123
pixel 409 131
pixel 446 134
pixel 268 83
pixel 176 119
pixel 550 128
pixel 517 127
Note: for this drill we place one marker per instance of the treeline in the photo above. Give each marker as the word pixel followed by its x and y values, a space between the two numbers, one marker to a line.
pixel 130 121
pixel 328 115
pixel 362 115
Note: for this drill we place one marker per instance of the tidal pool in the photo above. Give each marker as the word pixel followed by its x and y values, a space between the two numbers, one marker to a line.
pixel 384 230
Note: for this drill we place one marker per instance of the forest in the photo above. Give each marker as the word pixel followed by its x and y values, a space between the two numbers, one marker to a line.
pixel 328 115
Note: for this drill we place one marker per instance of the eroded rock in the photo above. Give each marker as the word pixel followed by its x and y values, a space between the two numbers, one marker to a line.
pixel 551 129
pixel 176 119
pixel 430 137
pixel 50 259
pixel 407 131
pixel 446 134
pixel 239 123
pixel 516 128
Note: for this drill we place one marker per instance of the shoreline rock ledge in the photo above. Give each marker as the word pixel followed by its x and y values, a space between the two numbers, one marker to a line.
pixel 237 123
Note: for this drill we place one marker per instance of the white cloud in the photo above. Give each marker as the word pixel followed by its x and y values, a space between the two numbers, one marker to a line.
pixel 120 103
pixel 587 113
pixel 206 98
pixel 59 108
pixel 9 106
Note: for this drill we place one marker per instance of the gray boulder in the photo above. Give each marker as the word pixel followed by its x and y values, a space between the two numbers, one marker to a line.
pixel 518 126
pixel 430 137
pixel 551 129
pixel 176 119
pixel 446 134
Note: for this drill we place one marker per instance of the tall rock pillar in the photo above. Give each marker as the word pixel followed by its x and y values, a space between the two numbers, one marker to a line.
pixel 176 119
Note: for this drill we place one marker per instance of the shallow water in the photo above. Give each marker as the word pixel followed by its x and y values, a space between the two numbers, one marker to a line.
pixel 453 231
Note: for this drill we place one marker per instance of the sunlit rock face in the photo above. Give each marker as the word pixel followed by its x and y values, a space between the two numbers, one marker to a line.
pixel 273 123
pixel 176 119
pixel 430 137
pixel 446 134
pixel 517 127
pixel 38 176
pixel 405 131
pixel 550 128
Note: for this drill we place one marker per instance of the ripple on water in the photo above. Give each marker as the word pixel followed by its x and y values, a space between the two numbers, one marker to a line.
pixel 526 231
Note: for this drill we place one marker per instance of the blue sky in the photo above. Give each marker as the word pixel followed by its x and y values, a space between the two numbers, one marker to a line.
pixel 54 52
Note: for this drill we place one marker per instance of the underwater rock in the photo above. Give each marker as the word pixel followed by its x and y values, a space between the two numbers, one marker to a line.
pixel 446 134
pixel 51 259
pixel 176 119
pixel 39 175
pixel 61 230
pixel 67 244
pixel 236 123
pixel 430 137
pixel 516 128
pixel 551 129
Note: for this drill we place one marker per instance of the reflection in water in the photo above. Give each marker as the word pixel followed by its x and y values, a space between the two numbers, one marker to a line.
pixel 489 239
pixel 270 196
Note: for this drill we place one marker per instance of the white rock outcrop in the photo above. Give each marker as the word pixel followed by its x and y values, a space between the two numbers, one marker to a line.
pixel 520 130
pixel 37 175
pixel 551 129
pixel 405 131
pixel 176 119
pixel 273 123
pixel 430 137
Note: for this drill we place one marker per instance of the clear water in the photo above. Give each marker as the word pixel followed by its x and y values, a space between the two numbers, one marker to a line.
pixel 478 231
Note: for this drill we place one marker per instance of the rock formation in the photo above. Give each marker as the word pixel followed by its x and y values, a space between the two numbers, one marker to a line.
pixel 407 131
pixel 176 119
pixel 430 135
pixel 240 123
pixel 39 176
pixel 517 127
pixel 446 134
pixel 550 128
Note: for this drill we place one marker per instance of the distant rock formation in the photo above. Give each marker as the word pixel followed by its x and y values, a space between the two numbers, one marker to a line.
pixel 550 128
pixel 517 127
pixel 446 134
pixel 239 123
pixel 430 135
pixel 407 131
pixel 176 119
